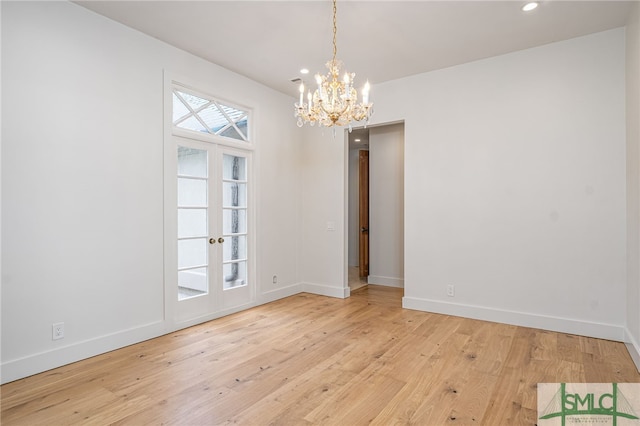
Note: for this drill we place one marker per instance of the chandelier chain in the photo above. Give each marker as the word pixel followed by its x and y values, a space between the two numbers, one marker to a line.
pixel 335 29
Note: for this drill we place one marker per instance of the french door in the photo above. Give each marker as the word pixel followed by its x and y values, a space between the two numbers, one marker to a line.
pixel 214 236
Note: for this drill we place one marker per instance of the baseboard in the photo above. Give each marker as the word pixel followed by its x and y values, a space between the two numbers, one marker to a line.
pixel 43 361
pixel 326 290
pixel 180 325
pixel 386 281
pixel 632 347
pixel 281 293
pixel 544 322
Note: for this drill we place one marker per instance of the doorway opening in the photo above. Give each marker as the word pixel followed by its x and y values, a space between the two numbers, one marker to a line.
pixel 375 228
pixel 358 220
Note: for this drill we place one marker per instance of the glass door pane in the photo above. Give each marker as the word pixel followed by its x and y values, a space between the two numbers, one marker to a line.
pixel 213 229
pixel 193 212
pixel 234 221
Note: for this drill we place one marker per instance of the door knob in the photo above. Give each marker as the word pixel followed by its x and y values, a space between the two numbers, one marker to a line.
pixel 221 240
pixel 212 240
pixel 364 229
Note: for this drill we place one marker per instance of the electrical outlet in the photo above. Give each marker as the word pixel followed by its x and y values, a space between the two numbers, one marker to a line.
pixel 275 279
pixel 57 331
pixel 451 290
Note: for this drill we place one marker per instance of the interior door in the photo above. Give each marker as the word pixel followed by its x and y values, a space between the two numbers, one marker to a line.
pixel 213 232
pixel 364 213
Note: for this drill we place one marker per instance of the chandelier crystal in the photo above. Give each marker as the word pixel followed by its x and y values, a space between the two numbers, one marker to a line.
pixel 335 101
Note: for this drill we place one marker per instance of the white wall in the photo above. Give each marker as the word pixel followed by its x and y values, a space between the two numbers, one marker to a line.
pixel 323 253
pixel 386 205
pixel 633 181
pixel 515 186
pixel 82 182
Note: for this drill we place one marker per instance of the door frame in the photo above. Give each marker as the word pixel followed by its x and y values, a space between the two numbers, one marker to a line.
pixel 347 195
pixel 170 188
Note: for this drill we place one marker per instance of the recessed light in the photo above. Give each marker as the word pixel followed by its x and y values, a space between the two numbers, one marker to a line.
pixel 530 6
pixel 304 71
pixel 356 140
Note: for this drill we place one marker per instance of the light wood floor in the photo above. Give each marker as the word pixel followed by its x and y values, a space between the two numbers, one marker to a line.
pixel 355 282
pixel 315 360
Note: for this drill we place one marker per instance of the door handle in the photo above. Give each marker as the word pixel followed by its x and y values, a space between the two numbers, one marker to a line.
pixel 221 240
pixel 212 240
pixel 364 229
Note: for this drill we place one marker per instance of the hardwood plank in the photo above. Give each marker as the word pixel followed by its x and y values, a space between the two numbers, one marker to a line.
pixel 315 360
pixel 297 397
pixel 449 379
pixel 358 402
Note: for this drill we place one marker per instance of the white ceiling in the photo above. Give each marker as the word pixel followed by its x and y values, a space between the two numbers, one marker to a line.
pixel 269 41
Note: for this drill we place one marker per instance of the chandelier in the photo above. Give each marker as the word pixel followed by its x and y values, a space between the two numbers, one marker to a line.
pixel 335 101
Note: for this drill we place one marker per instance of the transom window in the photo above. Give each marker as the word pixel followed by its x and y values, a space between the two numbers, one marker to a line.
pixel 206 115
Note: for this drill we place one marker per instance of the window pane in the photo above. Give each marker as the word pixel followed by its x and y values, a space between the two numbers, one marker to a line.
pixel 234 168
pixel 192 223
pixel 234 274
pixel 192 123
pixel 233 113
pixel 234 194
pixel 231 132
pixel 209 116
pixel 242 125
pixel 179 110
pixel 194 102
pixel 192 192
pixel 192 283
pixel 192 162
pixel 212 116
pixel 234 248
pixel 234 221
pixel 192 253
